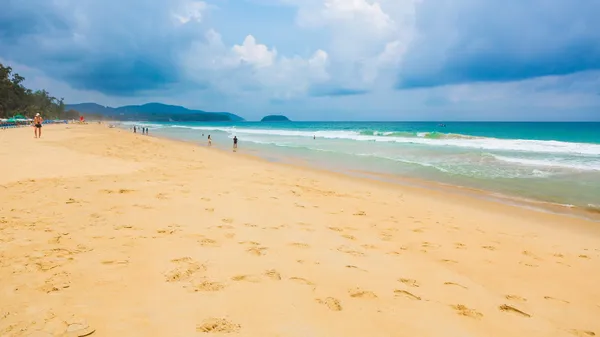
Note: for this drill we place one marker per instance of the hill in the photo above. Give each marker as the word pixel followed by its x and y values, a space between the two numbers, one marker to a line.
pixel 275 118
pixel 153 112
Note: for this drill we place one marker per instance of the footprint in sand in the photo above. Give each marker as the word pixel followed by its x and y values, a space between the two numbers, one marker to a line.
pixel 530 254
pixel 556 299
pixel 167 231
pixel 217 325
pixel 455 284
pixel 162 196
pixel 78 329
pixel 206 242
pixel 299 245
pixel 227 220
pixel 207 286
pixel 355 267
pixel 531 265
pixel 516 298
pixel 466 311
pixel 584 256
pixel 301 280
pixel 350 251
pixel 359 293
pixel 273 274
pixel 253 243
pixel 257 251
pixel 123 227
pixel 489 247
pixel 582 333
pixel 360 213
pixel 409 282
pixel 406 294
pixel 57 282
pixel 508 308
pixel 336 229
pixel 349 237
pixel 332 303
pixel 250 225
pixel 209 209
pixel 186 268
pixel 459 245
pixel 110 262
pixel 246 278
pixel 386 236
pixel 426 244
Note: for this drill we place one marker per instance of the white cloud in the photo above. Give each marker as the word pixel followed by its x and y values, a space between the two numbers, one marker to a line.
pixel 368 38
pixel 365 13
pixel 255 54
pixel 252 66
pixel 189 10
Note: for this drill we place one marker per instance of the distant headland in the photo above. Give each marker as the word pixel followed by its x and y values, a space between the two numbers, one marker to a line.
pixel 275 118
pixel 151 112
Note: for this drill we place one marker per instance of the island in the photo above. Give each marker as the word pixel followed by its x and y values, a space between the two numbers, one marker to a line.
pixel 275 118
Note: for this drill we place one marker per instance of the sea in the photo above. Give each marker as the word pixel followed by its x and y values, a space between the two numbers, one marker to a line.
pixel 544 163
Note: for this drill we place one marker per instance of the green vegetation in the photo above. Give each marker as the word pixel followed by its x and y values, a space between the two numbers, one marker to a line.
pixel 275 118
pixel 15 99
pixel 151 112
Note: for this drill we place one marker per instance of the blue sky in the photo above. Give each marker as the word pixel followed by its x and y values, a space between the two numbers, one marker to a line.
pixel 316 59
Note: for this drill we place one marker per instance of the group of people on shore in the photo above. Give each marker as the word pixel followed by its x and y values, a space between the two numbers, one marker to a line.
pixel 143 129
pixel 235 142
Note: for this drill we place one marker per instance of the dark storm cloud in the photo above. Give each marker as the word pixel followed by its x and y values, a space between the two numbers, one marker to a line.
pixel 496 41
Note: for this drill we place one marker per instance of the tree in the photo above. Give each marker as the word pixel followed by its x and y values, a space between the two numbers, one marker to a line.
pixel 16 99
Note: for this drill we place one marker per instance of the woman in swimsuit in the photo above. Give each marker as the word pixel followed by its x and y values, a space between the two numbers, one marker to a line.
pixel 37 123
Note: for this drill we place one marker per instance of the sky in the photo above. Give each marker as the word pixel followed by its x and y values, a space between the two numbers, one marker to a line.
pixel 535 60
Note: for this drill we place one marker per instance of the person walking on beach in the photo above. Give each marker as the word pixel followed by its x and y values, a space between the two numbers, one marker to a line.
pixel 37 125
pixel 134 129
pixel 209 141
pixel 234 143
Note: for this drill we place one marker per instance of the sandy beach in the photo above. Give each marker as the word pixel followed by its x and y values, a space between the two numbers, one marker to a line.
pixel 108 233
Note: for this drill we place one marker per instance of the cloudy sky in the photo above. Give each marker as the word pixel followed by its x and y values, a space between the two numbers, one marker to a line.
pixel 316 59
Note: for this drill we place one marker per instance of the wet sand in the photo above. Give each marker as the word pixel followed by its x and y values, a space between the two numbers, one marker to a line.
pixel 110 233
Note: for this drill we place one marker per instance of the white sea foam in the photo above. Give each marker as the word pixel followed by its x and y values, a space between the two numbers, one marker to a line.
pixel 519 145
pixel 591 165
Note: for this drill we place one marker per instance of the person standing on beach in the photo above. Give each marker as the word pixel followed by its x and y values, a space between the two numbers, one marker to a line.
pixel 209 141
pixel 134 129
pixel 234 143
pixel 37 125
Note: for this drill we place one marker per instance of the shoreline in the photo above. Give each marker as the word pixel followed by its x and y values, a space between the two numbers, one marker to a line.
pixel 585 213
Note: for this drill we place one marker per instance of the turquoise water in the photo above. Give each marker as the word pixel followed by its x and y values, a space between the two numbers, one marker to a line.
pixel 549 162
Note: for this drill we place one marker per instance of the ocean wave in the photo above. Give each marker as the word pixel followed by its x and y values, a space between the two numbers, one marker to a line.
pixel 433 139
pixel 552 162
pixel 408 134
